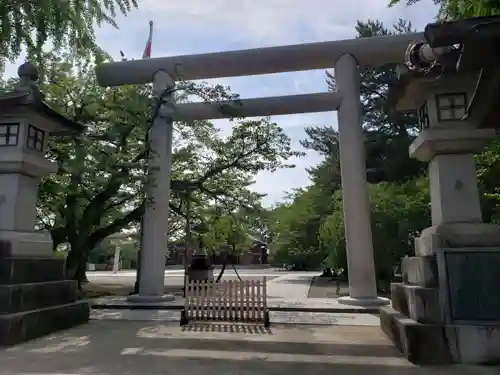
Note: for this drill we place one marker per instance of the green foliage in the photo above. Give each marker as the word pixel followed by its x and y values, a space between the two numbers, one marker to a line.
pixel 399 213
pixel 68 24
pixel 104 253
pixel 386 137
pixel 99 187
pixel 488 172
pixel 227 231
pixel 458 9
pixel 309 230
pixel 295 227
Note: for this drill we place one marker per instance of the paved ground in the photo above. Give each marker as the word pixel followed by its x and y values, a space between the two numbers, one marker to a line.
pixel 122 283
pixel 176 276
pixel 325 287
pixel 130 348
pixel 277 317
pixel 286 290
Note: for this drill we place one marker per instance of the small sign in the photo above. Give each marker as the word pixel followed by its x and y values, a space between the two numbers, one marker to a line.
pixel 470 284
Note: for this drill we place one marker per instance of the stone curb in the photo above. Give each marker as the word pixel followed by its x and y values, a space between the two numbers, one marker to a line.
pixel 145 306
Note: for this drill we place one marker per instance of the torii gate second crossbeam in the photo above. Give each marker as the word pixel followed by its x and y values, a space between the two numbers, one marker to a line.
pixel 346 56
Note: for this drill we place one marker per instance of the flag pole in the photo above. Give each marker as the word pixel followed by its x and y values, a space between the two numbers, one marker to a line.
pixel 149 43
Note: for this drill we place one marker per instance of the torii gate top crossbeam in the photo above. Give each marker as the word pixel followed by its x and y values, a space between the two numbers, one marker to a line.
pixel 372 51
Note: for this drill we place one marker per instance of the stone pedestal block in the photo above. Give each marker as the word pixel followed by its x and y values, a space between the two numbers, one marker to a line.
pixel 35 299
pixel 432 344
pixel 456 235
pixel 423 304
pixel 420 343
pixel 418 303
pixel 31 270
pixel 474 344
pixel 25 297
pixel 25 243
pixel 458 320
pixel 421 271
pixel 23 326
pixel 399 298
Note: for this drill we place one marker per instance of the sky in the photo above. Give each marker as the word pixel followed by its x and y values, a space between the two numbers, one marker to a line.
pixel 199 26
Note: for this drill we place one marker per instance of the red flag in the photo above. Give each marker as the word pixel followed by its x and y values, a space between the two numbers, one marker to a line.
pixel 147 49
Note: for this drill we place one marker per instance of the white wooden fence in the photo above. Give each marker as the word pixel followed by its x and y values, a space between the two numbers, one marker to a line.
pixel 227 300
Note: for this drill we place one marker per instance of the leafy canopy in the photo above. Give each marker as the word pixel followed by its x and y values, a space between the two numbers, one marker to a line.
pixel 68 24
pixel 458 9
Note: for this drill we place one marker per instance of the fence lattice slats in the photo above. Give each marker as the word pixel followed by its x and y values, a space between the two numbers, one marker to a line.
pixel 228 300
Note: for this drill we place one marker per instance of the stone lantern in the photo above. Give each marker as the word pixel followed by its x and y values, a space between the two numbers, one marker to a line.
pixel 35 297
pixel 448 307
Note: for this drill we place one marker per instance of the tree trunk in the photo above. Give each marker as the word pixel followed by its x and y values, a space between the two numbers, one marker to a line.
pixel 327 272
pixel 58 237
pixel 76 263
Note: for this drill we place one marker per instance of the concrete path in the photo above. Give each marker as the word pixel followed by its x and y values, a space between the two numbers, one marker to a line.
pixel 291 286
pixel 290 291
pixel 286 292
pixel 176 276
pixel 139 348
pixel 277 317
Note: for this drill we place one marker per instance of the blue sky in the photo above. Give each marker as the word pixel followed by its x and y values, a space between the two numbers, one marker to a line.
pixel 197 26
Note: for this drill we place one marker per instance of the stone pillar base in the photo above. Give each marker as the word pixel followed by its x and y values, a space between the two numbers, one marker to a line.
pixel 431 344
pixel 363 302
pixel 435 316
pixel 36 300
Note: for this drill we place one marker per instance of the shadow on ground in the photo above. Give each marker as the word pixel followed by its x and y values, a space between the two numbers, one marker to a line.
pixel 325 287
pixel 227 328
pixel 130 348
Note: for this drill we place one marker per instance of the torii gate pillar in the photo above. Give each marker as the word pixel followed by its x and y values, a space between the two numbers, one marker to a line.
pixel 358 232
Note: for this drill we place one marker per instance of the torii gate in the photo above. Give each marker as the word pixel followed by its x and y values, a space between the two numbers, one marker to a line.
pixel 346 56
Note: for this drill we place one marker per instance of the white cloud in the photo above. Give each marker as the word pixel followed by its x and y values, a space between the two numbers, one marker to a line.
pixel 199 26
pixel 267 22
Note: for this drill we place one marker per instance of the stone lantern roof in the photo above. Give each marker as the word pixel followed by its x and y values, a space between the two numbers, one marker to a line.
pixel 407 93
pixel 27 95
pixel 471 66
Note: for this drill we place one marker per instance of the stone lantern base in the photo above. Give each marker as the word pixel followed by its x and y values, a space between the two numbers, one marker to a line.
pixel 35 297
pixel 447 309
pixel 201 274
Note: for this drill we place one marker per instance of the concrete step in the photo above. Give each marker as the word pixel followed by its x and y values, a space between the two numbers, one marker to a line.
pixel 18 327
pixel 419 343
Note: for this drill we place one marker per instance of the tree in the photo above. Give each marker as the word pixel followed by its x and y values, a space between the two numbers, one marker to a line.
pixel 387 137
pixel 295 227
pixel 399 213
pixel 458 9
pixel 229 230
pixel 488 169
pixel 98 189
pixel 309 230
pixel 67 24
